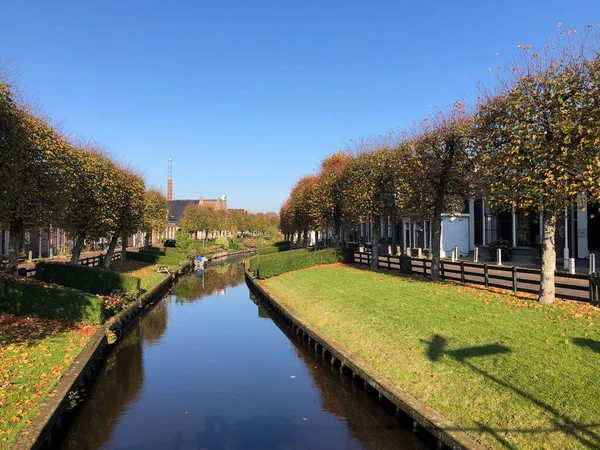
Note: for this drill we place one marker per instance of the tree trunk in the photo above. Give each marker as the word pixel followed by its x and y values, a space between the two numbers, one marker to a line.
pixel 305 238
pixel 337 234
pixel 547 288
pixel 77 250
pixel 123 248
pixel 147 240
pixel 111 251
pixel 436 229
pixel 15 243
pixel 375 242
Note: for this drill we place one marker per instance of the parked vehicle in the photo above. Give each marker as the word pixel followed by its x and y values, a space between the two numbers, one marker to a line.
pixel 170 243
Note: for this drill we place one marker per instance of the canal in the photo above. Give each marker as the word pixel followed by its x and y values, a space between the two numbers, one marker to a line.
pixel 207 368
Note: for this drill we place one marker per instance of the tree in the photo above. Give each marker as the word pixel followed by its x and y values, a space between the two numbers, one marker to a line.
pixel 442 169
pixel 128 209
pixel 93 188
pixel 329 193
pixel 538 136
pixel 376 186
pixel 156 211
pixel 301 204
pixel 35 171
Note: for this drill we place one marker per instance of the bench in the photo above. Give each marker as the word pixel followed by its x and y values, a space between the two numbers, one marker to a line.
pixel 163 269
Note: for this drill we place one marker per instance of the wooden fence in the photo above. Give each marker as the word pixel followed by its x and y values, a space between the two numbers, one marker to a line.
pixel 92 261
pixel 518 279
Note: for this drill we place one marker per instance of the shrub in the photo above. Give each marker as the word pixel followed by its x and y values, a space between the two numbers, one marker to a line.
pixel 143 257
pixel 87 279
pixel 278 263
pixel 268 250
pixel 33 298
pixel 184 241
pixel 152 251
pixel 252 243
pixel 505 249
pixel 115 302
pixel 222 241
pixel 233 246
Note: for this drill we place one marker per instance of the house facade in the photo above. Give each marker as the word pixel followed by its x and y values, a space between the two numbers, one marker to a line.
pixel 177 209
pixel 577 232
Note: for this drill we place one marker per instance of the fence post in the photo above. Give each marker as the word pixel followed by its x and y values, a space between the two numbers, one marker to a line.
pixel 462 272
pixel 476 255
pixel 408 251
pixel 456 252
pixel 51 253
pixel 572 266
pixel 30 256
pixel 419 252
pixel 398 251
pixel 514 279
pixel 424 268
pixel 388 260
pixel 499 256
pixel 389 249
pixel 486 276
pixel 442 270
pixel 592 263
pixel 452 256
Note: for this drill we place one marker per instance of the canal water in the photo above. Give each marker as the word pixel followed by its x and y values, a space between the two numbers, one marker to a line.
pixel 207 368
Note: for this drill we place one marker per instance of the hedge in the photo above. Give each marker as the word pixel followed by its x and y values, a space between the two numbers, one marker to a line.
pixel 278 263
pixel 268 250
pixel 170 259
pixel 32 298
pixel 87 279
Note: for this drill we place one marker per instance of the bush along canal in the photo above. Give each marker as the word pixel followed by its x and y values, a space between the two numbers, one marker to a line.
pixel 208 368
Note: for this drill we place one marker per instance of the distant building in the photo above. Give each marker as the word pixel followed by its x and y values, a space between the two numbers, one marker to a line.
pixel 177 208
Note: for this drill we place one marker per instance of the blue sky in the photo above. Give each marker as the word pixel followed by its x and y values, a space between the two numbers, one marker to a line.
pixel 247 96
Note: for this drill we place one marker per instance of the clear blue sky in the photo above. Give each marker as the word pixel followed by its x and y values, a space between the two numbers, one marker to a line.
pixel 247 96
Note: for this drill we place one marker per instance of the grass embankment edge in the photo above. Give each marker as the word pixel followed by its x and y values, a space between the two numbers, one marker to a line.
pixel 443 429
pixel 84 368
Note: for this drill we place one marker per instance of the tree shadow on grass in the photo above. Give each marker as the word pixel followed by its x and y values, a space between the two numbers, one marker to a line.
pixel 28 330
pixel 590 344
pixel 584 433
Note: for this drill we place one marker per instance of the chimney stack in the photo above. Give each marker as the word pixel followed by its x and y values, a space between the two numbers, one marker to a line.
pixel 170 181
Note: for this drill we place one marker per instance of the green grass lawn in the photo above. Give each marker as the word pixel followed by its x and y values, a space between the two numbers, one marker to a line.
pixel 512 373
pixel 146 272
pixel 34 353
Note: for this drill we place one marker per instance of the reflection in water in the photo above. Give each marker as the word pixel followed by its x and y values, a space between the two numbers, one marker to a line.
pixel 214 280
pixel 122 379
pixel 211 375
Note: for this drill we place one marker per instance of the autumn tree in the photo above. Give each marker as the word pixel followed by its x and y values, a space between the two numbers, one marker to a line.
pixel 35 171
pixel 89 214
pixel 442 169
pixel 156 211
pixel 128 208
pixel 376 186
pixel 301 204
pixel 329 193
pixel 538 137
pixel 286 220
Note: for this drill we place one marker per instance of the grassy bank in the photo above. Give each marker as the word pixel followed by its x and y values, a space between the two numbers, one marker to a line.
pixel 513 373
pixel 145 271
pixel 34 353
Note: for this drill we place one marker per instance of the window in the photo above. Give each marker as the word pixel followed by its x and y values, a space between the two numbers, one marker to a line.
pixel 524 225
pixel 427 225
pixel 417 235
pixel 491 226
